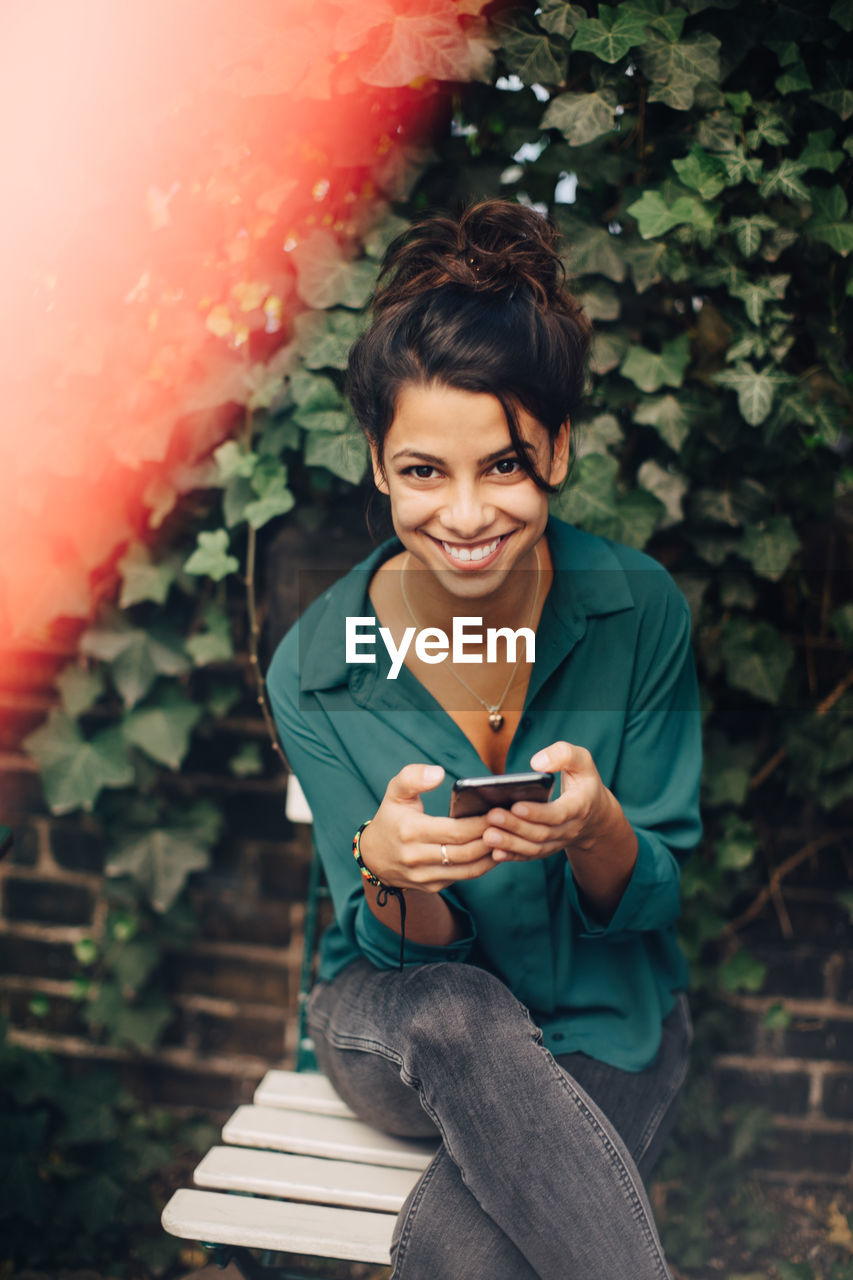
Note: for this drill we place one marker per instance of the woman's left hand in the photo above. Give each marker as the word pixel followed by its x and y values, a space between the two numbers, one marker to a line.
pixel 584 819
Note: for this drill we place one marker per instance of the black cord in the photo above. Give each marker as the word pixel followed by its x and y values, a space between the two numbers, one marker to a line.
pixel 382 901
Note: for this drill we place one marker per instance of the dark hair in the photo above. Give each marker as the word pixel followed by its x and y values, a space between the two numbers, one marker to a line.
pixel 480 304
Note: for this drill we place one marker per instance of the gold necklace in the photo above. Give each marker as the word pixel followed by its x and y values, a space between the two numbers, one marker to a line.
pixel 496 719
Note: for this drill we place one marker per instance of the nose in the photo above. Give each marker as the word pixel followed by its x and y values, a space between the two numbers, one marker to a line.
pixel 466 515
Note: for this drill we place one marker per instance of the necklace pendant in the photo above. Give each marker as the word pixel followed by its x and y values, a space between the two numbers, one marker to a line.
pixel 496 720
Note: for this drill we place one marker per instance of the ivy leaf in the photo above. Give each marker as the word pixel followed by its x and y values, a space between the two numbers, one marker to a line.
pixel 320 406
pixel 646 264
pixel 742 972
pixel 842 13
pixel 590 499
pixel 769 127
pixel 79 688
pixel 581 117
pixel 531 55
pixel 639 514
pixel 138 1025
pixel 600 301
pixel 770 546
pixel 277 500
pixel 668 417
pixel 325 278
pixel 655 216
pixel 651 370
pixel 163 727
pixel 324 338
pixel 234 461
pixel 756 658
pixel 838 95
pixel 160 862
pixel 742 168
pixel 135 656
pixel 677 67
pixel 609 36
pixel 749 231
pixel 247 762
pixel 593 250
pixel 598 435
pixel 841 621
pixel 667 486
pixel 135 962
pixel 560 18
pixel 735 849
pixel 431 45
pixel 210 558
pixel 606 353
pixel 142 579
pixel 818 152
pixel 703 172
pixel 795 80
pixel 214 643
pixel 756 293
pixel 786 180
pixel 73 770
pixel 345 455
pixel 829 221
pixel 756 389
pixel 376 241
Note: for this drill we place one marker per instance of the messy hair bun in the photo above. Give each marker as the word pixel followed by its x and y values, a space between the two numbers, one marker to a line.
pixel 494 247
pixel 479 303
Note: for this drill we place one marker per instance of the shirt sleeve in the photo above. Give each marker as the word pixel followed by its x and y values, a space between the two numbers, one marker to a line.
pixel 340 800
pixel 657 777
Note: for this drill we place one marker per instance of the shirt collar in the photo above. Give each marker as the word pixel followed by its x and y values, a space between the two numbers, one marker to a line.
pixel 589 581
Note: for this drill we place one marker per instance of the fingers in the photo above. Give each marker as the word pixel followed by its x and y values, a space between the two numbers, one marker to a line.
pixel 562 757
pixel 413 779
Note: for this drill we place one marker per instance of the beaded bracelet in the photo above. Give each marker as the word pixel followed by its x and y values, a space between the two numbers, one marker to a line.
pixel 385 890
pixel 356 853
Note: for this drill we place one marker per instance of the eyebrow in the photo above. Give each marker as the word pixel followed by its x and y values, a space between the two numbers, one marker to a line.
pixel 481 462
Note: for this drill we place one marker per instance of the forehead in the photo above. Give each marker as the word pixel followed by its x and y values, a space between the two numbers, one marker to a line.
pixel 438 418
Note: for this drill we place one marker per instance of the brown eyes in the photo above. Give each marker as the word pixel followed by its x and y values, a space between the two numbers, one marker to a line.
pixel 423 471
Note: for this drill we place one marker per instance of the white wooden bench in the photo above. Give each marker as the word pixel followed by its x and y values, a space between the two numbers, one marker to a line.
pixel 297 1173
pixel 309 1177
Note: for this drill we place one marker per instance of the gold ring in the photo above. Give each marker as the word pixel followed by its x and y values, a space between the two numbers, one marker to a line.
pixel 444 858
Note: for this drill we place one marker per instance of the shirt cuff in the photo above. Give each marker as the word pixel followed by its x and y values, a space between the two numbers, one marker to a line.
pixel 381 945
pixel 649 902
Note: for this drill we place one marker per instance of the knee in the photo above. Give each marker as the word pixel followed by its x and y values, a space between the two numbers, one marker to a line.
pixel 461 1008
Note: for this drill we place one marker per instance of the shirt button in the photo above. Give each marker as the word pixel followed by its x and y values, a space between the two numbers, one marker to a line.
pixel 526 722
pixel 558 1035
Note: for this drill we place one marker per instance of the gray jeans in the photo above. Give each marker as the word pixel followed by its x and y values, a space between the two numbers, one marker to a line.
pixel 539 1173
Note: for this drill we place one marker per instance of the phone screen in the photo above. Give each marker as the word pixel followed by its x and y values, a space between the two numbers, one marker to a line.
pixel 473 796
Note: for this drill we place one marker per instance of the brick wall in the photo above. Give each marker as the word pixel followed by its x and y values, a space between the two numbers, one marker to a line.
pixel 803 1071
pixel 234 988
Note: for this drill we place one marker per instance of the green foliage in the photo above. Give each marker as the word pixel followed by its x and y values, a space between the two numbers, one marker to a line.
pixel 82 1169
pixel 710 241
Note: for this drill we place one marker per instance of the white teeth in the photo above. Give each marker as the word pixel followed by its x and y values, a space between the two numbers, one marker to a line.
pixel 471 553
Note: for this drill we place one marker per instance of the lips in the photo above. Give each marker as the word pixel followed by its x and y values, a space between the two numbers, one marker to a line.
pixel 472 555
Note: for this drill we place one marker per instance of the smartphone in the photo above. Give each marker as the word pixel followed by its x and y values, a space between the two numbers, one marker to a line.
pixel 473 796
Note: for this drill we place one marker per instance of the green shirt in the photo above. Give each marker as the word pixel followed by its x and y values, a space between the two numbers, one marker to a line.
pixel 613 673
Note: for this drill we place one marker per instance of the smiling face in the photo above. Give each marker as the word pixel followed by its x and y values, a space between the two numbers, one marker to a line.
pixel 461 503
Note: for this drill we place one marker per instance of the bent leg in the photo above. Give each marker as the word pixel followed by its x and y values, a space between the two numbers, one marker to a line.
pixel 534 1152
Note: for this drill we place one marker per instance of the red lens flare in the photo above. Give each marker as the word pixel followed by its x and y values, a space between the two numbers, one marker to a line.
pixel 161 161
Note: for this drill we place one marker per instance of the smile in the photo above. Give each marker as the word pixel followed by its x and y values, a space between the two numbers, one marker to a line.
pixel 472 553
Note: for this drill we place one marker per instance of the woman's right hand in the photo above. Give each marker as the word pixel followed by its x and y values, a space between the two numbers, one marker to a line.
pixel 402 845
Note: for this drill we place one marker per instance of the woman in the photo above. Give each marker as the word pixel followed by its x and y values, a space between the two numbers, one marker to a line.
pixel 536 1018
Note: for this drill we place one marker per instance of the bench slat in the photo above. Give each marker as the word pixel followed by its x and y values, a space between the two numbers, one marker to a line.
pixel 333 1137
pixel 300 1091
pixel 283 1226
pixel 290 1177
